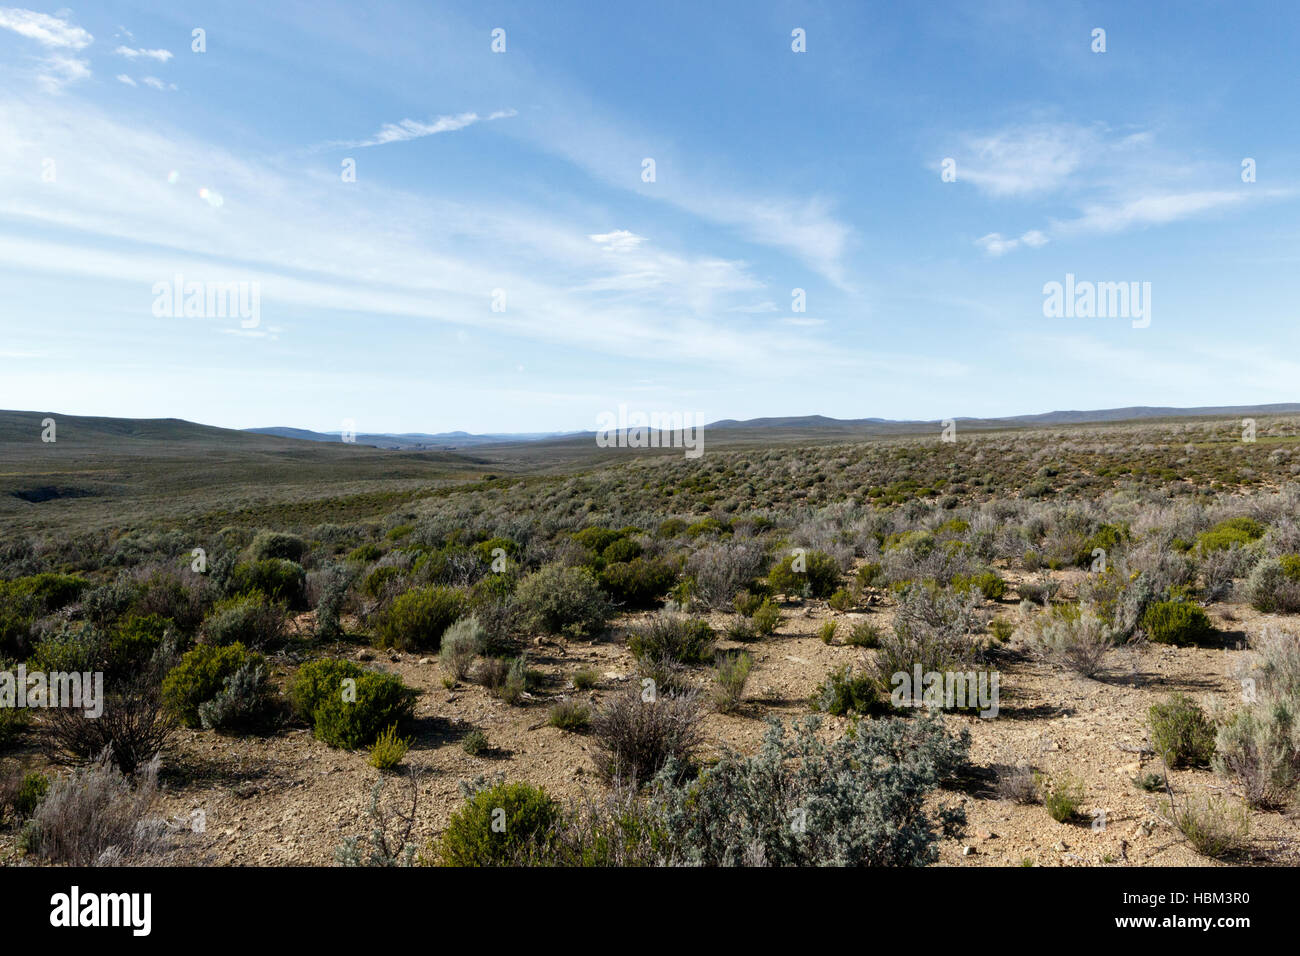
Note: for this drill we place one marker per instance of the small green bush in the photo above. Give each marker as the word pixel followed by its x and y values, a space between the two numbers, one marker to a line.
pixel 730 677
pixel 349 715
pixel 989 583
pixel 767 618
pixel 585 678
pixel 417 619
pixel 277 578
pixel 277 544
pixel 570 715
pixel 1225 534
pixel 509 824
pixel 388 749
pixel 248 619
pixel 562 600
pixel 677 637
pixel 1176 622
pixel 475 743
pixel 200 676
pixel 819 578
pixel 639 582
pixel 1180 732
pixel 864 634
pixel 1062 797
pixel 844 692
pixel 841 600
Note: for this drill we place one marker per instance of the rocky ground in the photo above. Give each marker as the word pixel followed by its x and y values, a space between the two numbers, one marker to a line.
pixel 288 799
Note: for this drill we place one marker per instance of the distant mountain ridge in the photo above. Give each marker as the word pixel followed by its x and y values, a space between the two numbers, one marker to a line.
pixel 408 441
pixel 20 427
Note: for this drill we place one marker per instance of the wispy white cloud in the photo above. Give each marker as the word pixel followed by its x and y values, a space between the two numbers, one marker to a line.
pixel 55 72
pixel 123 78
pixel 1114 180
pixel 409 129
pixel 996 245
pixel 1157 209
pixel 157 84
pixel 131 53
pixel 51 31
pixel 1025 161
pixel 620 240
pixel 414 257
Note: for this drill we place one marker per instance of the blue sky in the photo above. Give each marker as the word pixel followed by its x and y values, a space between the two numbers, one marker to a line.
pixel 127 158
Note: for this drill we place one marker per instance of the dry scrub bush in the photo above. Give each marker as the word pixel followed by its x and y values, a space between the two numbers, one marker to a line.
pixel 1259 745
pixel 97 816
pixel 636 737
pixel 862 800
pixel 1071 637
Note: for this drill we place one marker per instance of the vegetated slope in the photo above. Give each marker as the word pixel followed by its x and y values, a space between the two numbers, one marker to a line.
pixel 117 472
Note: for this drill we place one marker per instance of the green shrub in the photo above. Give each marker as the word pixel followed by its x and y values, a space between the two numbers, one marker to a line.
pixel 388 749
pixel 1274 585
pixel 379 580
pixel 1001 629
pixel 1062 796
pixel 417 619
pixel 461 643
pixel 13 721
pixel 246 701
pixel 73 646
pixel 1176 622
pixel 989 583
pixel 841 600
pixel 560 600
pixel 585 678
pixel 622 550
pixel 569 715
pixel 475 743
pixel 676 637
pixel 200 676
pixel 871 574
pixel 1109 538
pixel 819 578
pixel 844 692
pixel 730 677
pixel 31 791
pixel 248 619
pixel 1225 534
pixel 864 634
pixel 1180 732
pixel 747 602
pixel 767 618
pixel 365 553
pixel 349 715
pixel 827 631
pixel 277 544
pixel 596 539
pixel 509 824
pixel 134 640
pixel 277 578
pixel 639 582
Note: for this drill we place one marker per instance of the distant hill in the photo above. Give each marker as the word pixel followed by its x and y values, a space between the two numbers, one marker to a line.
pixel 172 436
pixel 407 441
